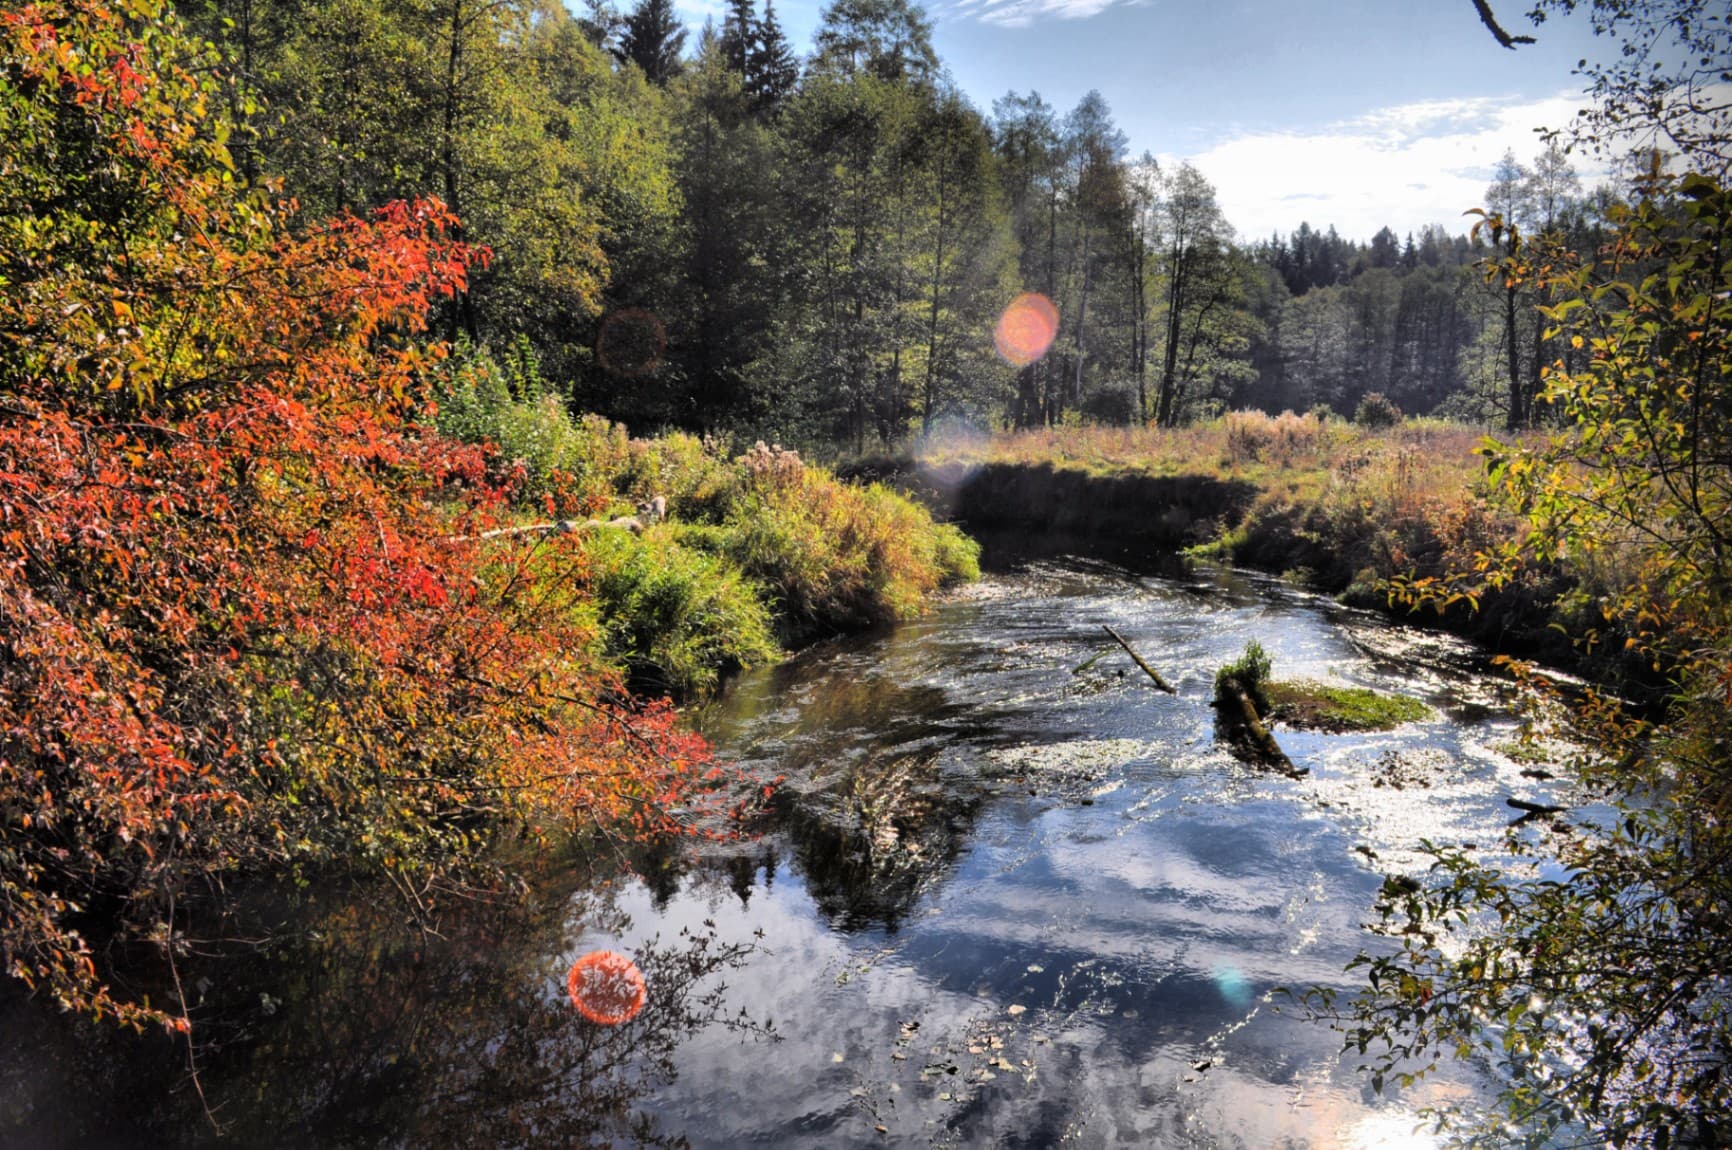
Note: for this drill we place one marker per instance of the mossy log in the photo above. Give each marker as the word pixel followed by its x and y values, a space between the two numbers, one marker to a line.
pixel 1239 714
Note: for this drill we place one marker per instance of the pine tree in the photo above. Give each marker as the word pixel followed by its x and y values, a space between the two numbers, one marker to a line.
pixel 653 39
pixel 739 31
pixel 772 68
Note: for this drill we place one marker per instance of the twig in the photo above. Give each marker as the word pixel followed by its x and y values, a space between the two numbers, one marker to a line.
pixel 186 1021
pixel 557 527
pixel 1092 660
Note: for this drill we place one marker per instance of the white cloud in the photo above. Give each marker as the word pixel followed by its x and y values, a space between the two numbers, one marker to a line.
pixel 1404 166
pixel 1021 13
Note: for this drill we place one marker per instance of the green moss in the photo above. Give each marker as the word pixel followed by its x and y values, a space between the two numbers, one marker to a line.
pixel 1528 751
pixel 1317 706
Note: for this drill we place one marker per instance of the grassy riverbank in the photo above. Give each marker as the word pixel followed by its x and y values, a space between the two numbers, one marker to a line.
pixel 1337 507
pixel 760 550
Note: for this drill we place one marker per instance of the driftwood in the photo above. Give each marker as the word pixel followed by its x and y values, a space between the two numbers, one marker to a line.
pixel 1531 811
pixel 1148 670
pixel 1240 713
pixel 557 527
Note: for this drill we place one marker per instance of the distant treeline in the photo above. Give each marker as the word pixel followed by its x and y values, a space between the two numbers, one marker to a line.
pixel 725 237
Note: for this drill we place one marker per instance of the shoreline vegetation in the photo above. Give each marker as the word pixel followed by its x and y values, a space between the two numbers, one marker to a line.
pixel 755 552
pixel 1377 517
pixel 275 605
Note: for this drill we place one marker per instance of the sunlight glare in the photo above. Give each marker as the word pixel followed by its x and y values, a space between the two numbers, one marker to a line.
pixel 631 342
pixel 1401 1130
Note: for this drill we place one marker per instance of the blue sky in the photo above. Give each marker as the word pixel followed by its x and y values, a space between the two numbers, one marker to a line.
pixel 1356 113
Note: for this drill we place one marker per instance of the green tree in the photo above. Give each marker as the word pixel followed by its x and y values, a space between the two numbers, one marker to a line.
pixel 964 265
pixel 1197 272
pixel 1507 202
pixel 1099 210
pixel 891 39
pixel 739 32
pixel 653 39
pixel 1026 138
pixel 772 69
pixel 732 273
pixel 1601 994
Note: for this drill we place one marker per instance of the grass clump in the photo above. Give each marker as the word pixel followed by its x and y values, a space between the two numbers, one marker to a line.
pixel 1315 706
pixel 837 555
pixel 1310 705
pixel 675 618
pixel 1250 672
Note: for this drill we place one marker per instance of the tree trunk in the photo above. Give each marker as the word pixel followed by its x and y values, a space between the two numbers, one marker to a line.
pixel 1165 415
pixel 1517 412
pixel 1082 315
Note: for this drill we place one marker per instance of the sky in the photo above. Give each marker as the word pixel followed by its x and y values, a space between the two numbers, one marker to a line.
pixel 1354 113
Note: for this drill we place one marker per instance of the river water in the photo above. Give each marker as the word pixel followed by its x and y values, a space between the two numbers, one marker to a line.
pixel 1003 902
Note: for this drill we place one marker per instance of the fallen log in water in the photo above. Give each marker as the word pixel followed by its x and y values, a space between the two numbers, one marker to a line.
pixel 1148 670
pixel 1246 729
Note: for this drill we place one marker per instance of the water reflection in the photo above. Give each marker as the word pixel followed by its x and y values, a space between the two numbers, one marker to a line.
pixel 367 1032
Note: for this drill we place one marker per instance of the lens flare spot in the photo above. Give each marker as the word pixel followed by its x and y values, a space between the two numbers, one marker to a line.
pixel 1234 986
pixel 606 987
pixel 631 342
pixel 1026 329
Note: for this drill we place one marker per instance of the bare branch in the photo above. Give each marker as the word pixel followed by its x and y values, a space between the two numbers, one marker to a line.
pixel 1489 19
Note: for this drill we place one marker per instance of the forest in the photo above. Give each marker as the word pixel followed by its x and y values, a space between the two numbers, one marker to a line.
pixel 713 237
pixel 411 411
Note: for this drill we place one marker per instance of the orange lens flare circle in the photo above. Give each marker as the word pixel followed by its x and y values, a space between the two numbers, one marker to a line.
pixel 606 987
pixel 1026 329
pixel 631 342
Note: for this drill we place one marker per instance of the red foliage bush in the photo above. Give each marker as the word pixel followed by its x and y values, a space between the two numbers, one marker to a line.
pixel 249 618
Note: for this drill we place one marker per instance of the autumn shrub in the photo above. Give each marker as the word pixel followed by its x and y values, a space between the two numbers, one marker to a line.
pixel 1286 440
pixel 1248 435
pixel 757 537
pixel 697 476
pixel 259 615
pixel 675 618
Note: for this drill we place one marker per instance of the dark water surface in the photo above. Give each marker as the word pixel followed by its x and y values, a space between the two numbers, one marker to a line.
pixel 1003 904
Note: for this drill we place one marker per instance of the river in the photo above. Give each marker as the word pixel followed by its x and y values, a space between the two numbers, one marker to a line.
pixel 1003 902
